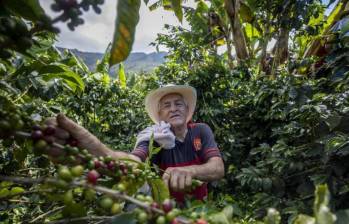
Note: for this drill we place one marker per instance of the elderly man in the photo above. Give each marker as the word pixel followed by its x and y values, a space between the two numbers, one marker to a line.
pixel 189 149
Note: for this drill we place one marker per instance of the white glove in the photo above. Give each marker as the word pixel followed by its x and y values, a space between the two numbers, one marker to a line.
pixel 162 135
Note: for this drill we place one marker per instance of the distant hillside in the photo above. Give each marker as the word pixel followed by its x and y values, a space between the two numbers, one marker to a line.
pixel 136 62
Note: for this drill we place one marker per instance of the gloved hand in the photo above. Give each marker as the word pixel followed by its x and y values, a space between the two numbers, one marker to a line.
pixel 162 135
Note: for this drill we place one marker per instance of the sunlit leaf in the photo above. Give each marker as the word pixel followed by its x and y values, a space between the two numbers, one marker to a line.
pixel 63 72
pixel 304 219
pixel 177 8
pixel 122 75
pixel 159 190
pixel 125 28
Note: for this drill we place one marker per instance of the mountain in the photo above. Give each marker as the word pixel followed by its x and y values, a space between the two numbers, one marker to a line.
pixel 136 62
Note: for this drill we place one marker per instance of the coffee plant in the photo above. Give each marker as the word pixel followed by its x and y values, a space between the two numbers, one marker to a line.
pixel 281 122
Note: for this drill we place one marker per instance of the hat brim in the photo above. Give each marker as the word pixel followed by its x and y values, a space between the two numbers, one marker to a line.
pixel 153 98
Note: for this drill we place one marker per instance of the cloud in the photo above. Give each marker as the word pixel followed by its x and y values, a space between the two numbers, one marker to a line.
pixel 98 30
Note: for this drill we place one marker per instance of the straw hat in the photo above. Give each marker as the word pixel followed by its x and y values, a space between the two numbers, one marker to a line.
pixel 153 98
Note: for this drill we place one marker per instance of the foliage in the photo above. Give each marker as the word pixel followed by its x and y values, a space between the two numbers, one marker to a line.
pixel 281 138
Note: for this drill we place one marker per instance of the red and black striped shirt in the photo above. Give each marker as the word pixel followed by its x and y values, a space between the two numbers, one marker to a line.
pixel 197 148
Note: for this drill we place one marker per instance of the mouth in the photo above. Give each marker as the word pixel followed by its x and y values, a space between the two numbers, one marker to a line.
pixel 175 116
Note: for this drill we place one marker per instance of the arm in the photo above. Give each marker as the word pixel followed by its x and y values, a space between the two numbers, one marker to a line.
pixel 212 170
pixel 66 128
pixel 180 178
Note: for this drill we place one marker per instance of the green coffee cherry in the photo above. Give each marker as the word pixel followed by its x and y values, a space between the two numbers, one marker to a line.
pixel 77 171
pixel 106 202
pixel 64 173
pixel 115 209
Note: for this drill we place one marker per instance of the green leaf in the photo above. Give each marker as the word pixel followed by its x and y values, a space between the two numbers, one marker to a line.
pixel 4 192
pixel 63 72
pixel 322 212
pixel 219 218
pixel 28 9
pixel 122 76
pixel 16 190
pixel 126 22
pixel 246 14
pixel 103 65
pixel 125 218
pixel 304 219
pixel 177 8
pixel 228 212
pixel 159 190
pixel 333 121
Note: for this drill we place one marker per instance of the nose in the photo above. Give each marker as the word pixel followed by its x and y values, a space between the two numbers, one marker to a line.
pixel 173 107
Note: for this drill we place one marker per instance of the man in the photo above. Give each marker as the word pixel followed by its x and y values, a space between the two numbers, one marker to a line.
pixel 193 154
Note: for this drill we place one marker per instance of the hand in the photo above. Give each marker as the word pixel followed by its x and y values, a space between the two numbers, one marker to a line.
pixel 66 129
pixel 178 178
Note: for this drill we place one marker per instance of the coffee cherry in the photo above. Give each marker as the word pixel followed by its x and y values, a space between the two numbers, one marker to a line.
pixel 36 127
pixel 172 214
pixel 201 221
pixel 111 165
pixel 40 145
pixel 73 142
pixel 148 198
pixel 121 187
pixel 74 150
pixel 167 205
pixel 90 194
pixel 61 184
pixel 68 197
pixel 36 135
pixel 77 170
pixel 155 205
pixel 194 215
pixel 115 209
pixel 175 221
pixel 64 173
pixel 49 130
pixel 106 202
pixel 108 159
pixel 91 165
pixel 71 159
pixel 142 217
pixel 136 172
pixel 161 220
pixel 49 139
pixel 92 176
pixel 97 164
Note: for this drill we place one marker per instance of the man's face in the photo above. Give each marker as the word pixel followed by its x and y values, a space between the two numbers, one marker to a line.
pixel 173 110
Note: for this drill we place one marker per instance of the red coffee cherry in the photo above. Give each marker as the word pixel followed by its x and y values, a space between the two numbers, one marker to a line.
pixel 93 176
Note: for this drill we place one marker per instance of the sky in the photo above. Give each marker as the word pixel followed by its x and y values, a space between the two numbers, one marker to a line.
pixel 98 30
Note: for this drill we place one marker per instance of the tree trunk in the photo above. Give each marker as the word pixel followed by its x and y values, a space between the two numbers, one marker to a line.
pixel 280 49
pixel 232 9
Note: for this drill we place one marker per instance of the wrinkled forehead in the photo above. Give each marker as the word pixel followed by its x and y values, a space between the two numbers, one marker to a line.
pixel 171 97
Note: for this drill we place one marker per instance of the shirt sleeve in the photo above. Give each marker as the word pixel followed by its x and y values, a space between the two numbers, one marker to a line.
pixel 209 146
pixel 141 150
